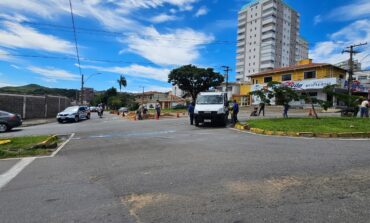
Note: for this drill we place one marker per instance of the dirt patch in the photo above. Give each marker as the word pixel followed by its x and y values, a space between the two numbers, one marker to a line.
pixel 349 184
pixel 267 190
pixel 136 202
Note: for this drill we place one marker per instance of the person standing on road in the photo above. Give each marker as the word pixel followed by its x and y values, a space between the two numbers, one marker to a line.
pixel 365 108
pixel 158 109
pixel 286 109
pixel 191 112
pixel 262 109
pixel 235 112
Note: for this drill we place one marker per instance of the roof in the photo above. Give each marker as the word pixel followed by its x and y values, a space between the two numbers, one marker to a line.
pixel 294 67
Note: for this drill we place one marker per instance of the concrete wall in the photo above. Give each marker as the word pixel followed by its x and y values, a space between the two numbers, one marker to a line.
pixel 30 107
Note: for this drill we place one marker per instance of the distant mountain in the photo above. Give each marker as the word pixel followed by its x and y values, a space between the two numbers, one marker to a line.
pixel 35 89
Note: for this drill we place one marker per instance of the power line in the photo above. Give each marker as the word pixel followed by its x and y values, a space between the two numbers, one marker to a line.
pixel 77 53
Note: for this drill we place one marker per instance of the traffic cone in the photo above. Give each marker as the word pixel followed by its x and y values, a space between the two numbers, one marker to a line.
pixel 178 115
pixel 135 118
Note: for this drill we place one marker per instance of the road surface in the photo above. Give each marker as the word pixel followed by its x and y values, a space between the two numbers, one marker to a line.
pixel 114 170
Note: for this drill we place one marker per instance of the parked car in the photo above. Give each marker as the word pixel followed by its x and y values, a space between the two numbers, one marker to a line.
pixel 74 113
pixel 123 109
pixel 93 109
pixel 9 121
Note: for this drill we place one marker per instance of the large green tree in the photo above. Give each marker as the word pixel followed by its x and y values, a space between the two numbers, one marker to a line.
pixel 194 80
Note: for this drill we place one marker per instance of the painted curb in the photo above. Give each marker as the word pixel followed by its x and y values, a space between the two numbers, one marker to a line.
pixel 356 135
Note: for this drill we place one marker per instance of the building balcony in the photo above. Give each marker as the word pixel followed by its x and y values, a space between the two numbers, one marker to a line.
pixel 240 50
pixel 241 43
pixel 270 20
pixel 241 37
pixel 269 65
pixel 270 35
pixel 240 57
pixel 240 63
pixel 269 6
pixel 240 69
pixel 242 30
pixel 269 28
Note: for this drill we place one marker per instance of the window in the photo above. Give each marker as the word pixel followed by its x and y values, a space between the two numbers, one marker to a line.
pixel 286 77
pixel 267 79
pixel 309 74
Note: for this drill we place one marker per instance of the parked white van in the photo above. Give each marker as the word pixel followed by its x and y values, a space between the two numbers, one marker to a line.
pixel 211 107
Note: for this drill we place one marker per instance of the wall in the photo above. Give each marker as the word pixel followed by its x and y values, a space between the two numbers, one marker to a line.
pixel 30 107
pixel 321 72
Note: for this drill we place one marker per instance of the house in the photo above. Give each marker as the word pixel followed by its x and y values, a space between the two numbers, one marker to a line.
pixel 166 99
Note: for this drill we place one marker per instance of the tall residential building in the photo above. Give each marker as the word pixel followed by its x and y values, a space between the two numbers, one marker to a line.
pixel 345 65
pixel 268 38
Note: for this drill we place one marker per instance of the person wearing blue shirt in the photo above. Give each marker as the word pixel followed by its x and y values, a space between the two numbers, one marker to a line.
pixel 191 112
pixel 235 112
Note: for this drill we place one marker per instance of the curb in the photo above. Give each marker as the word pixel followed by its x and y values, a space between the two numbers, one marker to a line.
pixel 358 135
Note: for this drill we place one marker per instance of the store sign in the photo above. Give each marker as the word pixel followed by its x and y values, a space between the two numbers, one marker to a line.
pixel 357 86
pixel 311 84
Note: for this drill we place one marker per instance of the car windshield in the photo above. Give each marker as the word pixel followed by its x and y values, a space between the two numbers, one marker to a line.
pixel 210 99
pixel 71 109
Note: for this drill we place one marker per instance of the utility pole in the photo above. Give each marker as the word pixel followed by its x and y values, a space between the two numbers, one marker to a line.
pixel 142 98
pixel 227 69
pixel 351 51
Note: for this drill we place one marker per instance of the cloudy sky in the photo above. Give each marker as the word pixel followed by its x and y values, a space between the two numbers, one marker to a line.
pixel 145 39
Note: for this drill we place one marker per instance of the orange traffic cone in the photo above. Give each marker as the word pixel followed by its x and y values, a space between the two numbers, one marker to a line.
pixel 178 115
pixel 135 118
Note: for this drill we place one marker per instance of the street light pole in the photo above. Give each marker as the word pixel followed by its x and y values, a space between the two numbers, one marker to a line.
pixel 83 81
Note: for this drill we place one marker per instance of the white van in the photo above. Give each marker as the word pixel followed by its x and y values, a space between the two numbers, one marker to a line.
pixel 211 107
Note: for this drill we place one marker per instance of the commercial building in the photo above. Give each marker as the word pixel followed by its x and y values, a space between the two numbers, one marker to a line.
pixel 306 77
pixel 268 38
pixel 345 65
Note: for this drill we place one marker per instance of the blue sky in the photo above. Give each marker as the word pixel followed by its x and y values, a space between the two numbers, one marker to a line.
pixel 145 39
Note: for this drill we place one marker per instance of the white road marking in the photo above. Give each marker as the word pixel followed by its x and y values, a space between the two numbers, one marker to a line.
pixel 63 144
pixel 14 171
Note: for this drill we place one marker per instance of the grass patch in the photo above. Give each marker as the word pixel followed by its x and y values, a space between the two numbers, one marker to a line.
pixel 22 147
pixel 323 125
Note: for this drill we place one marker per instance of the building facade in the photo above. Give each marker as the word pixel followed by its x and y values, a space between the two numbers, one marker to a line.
pixel 345 65
pixel 305 77
pixel 268 38
pixel 166 99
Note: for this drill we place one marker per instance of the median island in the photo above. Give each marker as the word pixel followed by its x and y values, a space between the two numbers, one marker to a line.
pixel 324 127
pixel 28 146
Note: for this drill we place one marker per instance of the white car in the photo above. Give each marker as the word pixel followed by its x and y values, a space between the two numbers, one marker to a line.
pixel 74 113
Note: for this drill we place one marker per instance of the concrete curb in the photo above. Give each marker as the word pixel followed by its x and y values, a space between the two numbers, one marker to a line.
pixel 356 135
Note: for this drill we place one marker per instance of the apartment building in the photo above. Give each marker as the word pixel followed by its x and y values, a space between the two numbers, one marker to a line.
pixel 268 38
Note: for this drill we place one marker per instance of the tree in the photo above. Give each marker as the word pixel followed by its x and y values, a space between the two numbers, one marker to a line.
pixel 283 94
pixel 194 80
pixel 122 82
pixel 114 102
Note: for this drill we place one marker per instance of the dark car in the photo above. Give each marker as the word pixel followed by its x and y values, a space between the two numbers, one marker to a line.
pixel 9 121
pixel 74 113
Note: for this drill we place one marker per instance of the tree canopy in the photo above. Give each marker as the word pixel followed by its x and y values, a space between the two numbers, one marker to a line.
pixel 194 80
pixel 122 82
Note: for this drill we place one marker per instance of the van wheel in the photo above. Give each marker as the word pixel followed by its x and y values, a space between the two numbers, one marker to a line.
pixel 196 122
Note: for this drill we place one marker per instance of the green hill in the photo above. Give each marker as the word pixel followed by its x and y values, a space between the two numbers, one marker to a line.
pixel 35 89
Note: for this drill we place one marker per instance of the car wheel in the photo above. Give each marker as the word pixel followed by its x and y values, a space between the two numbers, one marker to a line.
pixel 3 127
pixel 88 116
pixel 77 119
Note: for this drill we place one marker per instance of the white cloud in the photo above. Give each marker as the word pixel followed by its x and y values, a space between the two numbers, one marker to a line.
pixel 331 50
pixel 15 35
pixel 201 11
pixel 317 19
pixel 15 66
pixel 163 18
pixel 158 88
pixel 357 9
pixel 4 84
pixel 160 74
pixel 52 74
pixel 179 47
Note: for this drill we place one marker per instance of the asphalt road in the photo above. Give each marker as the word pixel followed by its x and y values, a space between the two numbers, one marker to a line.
pixel 116 170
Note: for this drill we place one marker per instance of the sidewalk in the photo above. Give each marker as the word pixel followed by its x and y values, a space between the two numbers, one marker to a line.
pixel 277 112
pixel 32 122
